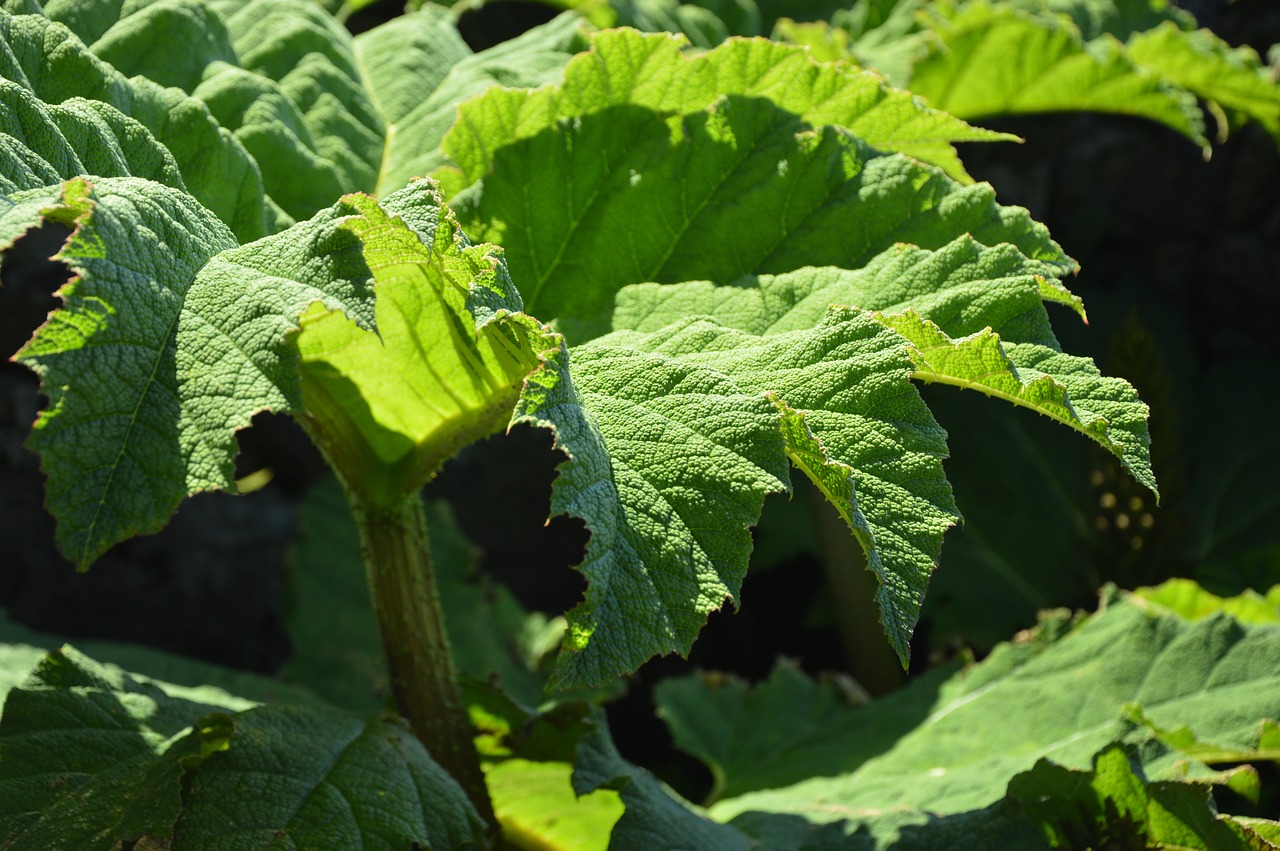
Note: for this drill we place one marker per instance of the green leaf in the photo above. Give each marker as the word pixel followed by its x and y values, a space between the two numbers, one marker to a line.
pixel 279 74
pixel 538 807
pixel 418 69
pixel 666 179
pixel 654 817
pixel 994 60
pixel 733 727
pixel 950 744
pixel 167 344
pixel 729 408
pixel 444 367
pixel 1063 387
pixel 180 676
pixel 952 298
pixel 95 757
pixel 1115 805
pixel 1235 80
pixel 324 780
pixel 51 63
pixel 1185 598
pixel 80 744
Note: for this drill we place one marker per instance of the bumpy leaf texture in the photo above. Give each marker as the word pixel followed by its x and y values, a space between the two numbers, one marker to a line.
pixel 949 745
pixel 170 340
pixel 977 59
pixel 128 761
pixel 639 169
pixel 312 112
pixel 54 67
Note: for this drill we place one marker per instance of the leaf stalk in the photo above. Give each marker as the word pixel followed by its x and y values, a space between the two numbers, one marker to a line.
pixel 397 557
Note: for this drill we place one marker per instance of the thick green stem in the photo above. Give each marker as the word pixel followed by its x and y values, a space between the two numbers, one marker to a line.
pixel 407 605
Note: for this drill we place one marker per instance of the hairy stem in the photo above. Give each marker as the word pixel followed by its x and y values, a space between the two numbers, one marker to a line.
pixel 407 605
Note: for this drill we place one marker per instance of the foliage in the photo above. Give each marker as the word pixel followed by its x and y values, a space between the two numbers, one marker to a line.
pixel 714 267
pixel 977 59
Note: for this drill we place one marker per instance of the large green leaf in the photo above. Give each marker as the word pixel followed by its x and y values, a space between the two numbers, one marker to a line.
pixel 649 166
pixel 168 343
pixel 952 746
pixel 94 758
pixel 279 74
pixel 974 317
pixel 418 69
pixel 1115 804
pixel 321 113
pixel 323 779
pixel 53 65
pixel 996 60
pixel 442 370
pixel 1234 81
pixel 729 409
pixel 80 744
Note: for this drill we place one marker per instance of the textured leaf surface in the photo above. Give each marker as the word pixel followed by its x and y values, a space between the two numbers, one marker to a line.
pixel 1200 62
pixel 1114 803
pixel 321 113
pixel 320 779
pixel 389 407
pixel 80 744
pixel 729 409
pixel 950 746
pixel 418 69
pixel 1044 66
pixel 94 757
pixel 47 60
pixel 279 74
pixel 945 303
pixel 647 166
pixel 169 342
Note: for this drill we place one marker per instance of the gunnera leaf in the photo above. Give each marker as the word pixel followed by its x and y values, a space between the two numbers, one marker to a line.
pixel 168 342
pixel 1044 66
pixel 81 745
pixel 321 113
pixel 445 366
pixel 647 165
pixel 95 758
pixel 322 778
pixel 729 409
pixel 52 64
pixel 951 743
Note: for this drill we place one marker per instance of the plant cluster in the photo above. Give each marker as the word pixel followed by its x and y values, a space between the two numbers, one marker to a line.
pixel 712 267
